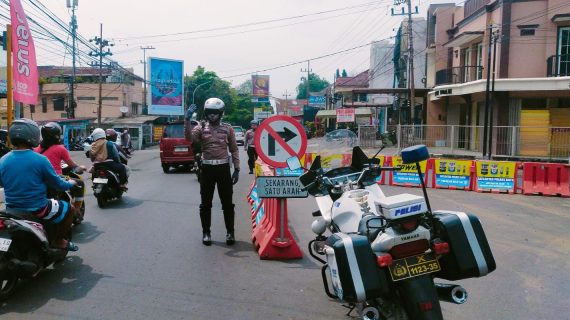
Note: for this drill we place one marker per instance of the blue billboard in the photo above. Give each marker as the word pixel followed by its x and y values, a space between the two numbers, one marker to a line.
pixel 166 94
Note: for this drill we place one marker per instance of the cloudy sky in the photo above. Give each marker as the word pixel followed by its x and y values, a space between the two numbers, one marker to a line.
pixel 174 28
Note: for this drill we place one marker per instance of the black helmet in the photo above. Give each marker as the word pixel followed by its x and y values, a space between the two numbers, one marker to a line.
pixel 51 132
pixel 111 135
pixel 24 131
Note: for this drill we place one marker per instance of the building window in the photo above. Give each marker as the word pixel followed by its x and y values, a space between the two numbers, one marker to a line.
pixel 59 104
pixel 86 98
pixel 44 105
pixel 527 32
pixel 479 63
pixel 32 108
pixel 564 51
pixel 110 98
pixel 134 108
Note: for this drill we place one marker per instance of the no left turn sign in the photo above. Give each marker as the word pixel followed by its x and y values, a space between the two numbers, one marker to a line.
pixel 279 138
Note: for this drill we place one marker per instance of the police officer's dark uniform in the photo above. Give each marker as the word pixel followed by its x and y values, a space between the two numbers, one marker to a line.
pixel 213 139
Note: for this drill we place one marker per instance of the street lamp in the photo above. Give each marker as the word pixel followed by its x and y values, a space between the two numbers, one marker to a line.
pixel 194 92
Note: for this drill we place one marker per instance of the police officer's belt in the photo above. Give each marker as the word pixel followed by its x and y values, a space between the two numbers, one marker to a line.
pixel 216 162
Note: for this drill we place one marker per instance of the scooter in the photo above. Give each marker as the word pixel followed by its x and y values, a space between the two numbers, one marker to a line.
pixel 74 173
pixel 24 251
pixel 106 186
pixel 383 252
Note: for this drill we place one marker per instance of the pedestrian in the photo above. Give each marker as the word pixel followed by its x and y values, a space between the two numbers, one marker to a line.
pixel 213 139
pixel 249 146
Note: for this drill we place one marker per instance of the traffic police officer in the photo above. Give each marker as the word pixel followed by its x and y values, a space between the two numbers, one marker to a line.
pixel 213 139
pixel 249 146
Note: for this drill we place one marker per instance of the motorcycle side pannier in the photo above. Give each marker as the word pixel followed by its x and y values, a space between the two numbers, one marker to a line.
pixel 469 252
pixel 354 272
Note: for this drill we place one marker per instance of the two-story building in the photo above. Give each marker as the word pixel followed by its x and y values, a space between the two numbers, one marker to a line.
pixel 530 102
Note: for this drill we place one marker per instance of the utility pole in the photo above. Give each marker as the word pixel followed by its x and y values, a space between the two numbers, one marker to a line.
pixel 102 44
pixel 10 93
pixel 308 70
pixel 144 49
pixel 286 95
pixel 487 91
pixel 71 106
pixel 411 73
pixel 492 104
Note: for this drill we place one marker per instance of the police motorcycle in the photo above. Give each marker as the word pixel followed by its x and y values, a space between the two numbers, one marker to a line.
pixel 383 252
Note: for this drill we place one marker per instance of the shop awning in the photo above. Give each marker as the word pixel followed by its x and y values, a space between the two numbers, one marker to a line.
pixel 359 112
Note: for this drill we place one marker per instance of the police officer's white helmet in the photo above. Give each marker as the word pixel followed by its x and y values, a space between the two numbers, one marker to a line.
pixel 98 134
pixel 214 106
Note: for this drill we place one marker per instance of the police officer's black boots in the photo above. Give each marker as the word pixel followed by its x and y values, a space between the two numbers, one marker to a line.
pixel 230 238
pixel 206 239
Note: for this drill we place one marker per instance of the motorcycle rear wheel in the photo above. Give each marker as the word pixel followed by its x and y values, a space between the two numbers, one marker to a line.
pixel 101 202
pixel 8 286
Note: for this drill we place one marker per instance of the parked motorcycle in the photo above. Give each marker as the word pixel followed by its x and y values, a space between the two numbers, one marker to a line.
pixel 383 252
pixel 106 186
pixel 24 251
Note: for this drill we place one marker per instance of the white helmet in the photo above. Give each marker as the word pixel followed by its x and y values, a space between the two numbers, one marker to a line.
pixel 98 134
pixel 214 105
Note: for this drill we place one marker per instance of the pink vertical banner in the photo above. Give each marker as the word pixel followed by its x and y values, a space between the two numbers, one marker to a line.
pixel 25 68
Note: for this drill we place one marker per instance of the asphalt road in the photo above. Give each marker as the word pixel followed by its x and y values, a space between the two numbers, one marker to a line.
pixel 142 258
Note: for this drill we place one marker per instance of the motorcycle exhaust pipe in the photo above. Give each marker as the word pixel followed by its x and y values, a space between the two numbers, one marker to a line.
pixel 451 293
pixel 23 268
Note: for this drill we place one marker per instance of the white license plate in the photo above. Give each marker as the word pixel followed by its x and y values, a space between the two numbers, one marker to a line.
pixel 181 149
pixel 5 244
pixel 100 180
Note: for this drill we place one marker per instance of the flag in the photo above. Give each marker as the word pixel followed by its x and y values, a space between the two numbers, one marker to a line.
pixel 24 66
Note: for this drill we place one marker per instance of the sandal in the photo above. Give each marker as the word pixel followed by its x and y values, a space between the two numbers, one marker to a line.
pixel 71 247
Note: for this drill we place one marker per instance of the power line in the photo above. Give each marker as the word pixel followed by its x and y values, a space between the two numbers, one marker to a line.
pixel 251 23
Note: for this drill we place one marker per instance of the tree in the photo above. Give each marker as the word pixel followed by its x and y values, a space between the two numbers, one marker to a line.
pixel 316 84
pixel 239 108
pixel 344 74
pixel 337 73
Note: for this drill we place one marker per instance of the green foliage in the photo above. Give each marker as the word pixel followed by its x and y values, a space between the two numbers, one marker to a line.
pixel 316 84
pixel 239 108
pixel 344 74
pixel 337 73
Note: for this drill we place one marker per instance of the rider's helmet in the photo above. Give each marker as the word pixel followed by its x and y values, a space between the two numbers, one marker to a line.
pixel 111 135
pixel 51 132
pixel 214 109
pixel 24 131
pixel 98 134
pixel 254 123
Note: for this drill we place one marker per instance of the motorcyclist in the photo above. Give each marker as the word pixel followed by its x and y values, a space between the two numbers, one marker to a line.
pixel 104 153
pixel 112 135
pixel 51 148
pixel 249 145
pixel 213 139
pixel 25 176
